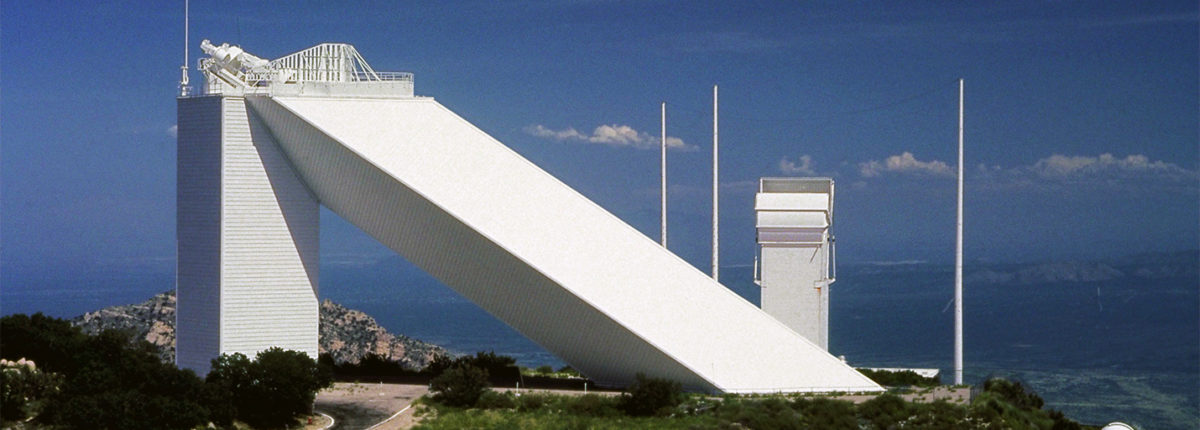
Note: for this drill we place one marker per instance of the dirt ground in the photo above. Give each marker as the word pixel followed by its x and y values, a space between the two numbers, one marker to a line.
pixel 361 406
pixel 952 395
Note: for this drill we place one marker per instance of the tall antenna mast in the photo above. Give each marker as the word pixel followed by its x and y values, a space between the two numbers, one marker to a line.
pixel 715 223
pixel 958 253
pixel 664 174
pixel 184 89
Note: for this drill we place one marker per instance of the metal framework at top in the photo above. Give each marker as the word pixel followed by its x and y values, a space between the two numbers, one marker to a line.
pixel 327 62
pixel 231 69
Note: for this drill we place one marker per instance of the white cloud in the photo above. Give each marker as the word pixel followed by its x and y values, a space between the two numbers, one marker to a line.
pixel 1105 165
pixel 542 131
pixel 804 167
pixel 1134 172
pixel 608 134
pixel 173 130
pixel 905 163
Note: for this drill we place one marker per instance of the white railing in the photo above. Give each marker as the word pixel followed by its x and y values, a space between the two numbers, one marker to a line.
pixel 383 76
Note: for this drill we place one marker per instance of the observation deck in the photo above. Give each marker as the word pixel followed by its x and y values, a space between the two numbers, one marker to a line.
pixel 325 70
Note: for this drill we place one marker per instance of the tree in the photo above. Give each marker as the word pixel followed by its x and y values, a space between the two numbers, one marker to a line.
pixel 24 389
pixel 460 385
pixel 50 342
pixel 115 382
pixel 440 363
pixel 227 386
pixel 650 396
pixel 270 391
pixel 501 369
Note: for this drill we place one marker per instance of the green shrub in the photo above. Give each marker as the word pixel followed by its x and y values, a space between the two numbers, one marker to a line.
pixel 23 391
pixel 883 411
pixel 769 413
pixel 651 396
pixel 459 386
pixel 115 382
pixel 270 391
pixel 826 413
pixel 938 415
pixel 50 342
pixel 903 378
pixel 594 405
pixel 496 400
pixel 568 370
pixel 499 368
pixel 1014 392
pixel 530 402
pixel 438 364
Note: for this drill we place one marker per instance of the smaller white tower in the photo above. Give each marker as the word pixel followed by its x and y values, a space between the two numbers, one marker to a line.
pixel 793 220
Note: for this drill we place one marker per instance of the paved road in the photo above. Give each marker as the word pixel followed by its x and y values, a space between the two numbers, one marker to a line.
pixel 360 406
pixel 351 417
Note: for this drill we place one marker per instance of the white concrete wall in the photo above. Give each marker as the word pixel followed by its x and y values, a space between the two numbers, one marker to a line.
pixel 247 237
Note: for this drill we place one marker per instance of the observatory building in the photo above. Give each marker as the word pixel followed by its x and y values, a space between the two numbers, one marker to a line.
pixel 268 142
pixel 792 219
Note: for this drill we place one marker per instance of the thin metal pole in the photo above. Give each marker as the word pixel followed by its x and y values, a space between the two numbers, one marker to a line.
pixel 958 253
pixel 664 174
pixel 186 11
pixel 716 258
pixel 183 80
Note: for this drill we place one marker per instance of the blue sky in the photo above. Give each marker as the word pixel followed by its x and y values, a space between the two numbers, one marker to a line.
pixel 1081 126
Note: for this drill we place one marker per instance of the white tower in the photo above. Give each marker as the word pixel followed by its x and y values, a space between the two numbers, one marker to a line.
pixel 247 223
pixel 793 220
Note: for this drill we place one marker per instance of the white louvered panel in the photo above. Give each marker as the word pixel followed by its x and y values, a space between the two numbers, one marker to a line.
pixel 792 219
pixel 791 201
pixel 198 232
pixel 793 236
pixel 269 247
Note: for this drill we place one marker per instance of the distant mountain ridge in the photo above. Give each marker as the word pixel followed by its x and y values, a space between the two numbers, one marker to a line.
pixel 346 334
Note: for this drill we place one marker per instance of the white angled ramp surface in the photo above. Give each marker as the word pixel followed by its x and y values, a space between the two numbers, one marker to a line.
pixel 535 253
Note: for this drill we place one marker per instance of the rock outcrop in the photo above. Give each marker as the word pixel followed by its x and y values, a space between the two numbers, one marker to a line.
pixel 346 334
pixel 153 320
pixel 349 335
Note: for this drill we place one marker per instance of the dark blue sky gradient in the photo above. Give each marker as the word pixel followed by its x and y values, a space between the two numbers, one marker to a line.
pixel 88 162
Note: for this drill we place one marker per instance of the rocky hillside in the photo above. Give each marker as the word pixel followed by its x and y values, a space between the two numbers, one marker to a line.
pixel 349 335
pixel 153 320
pixel 346 334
